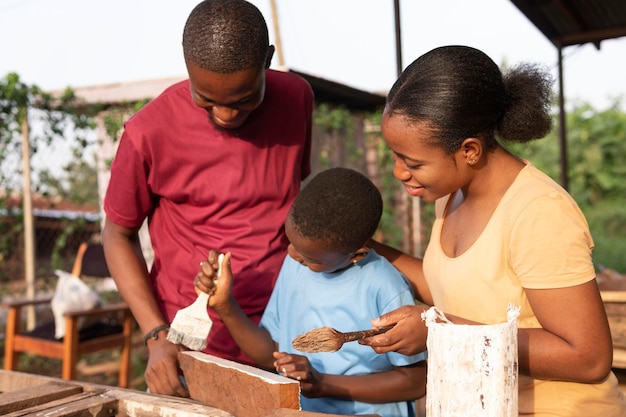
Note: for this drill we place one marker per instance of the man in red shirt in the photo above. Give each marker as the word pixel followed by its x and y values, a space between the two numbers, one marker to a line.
pixel 213 162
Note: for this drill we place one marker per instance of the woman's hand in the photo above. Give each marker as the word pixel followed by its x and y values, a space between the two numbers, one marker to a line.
pixel 408 336
pixel 299 368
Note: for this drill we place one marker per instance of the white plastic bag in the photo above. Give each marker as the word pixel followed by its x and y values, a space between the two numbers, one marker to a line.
pixel 71 294
pixel 472 369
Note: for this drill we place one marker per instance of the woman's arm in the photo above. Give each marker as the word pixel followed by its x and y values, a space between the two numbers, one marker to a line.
pixel 410 266
pixel 573 345
pixel 575 341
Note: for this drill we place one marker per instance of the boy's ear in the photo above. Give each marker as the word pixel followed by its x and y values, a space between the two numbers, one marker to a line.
pixel 359 254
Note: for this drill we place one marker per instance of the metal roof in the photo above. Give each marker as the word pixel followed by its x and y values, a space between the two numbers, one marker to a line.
pixel 326 91
pixel 573 22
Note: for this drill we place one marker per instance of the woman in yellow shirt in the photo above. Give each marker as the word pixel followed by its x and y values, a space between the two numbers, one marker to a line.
pixel 504 231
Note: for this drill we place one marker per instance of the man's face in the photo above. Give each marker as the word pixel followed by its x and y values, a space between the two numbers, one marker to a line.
pixel 228 98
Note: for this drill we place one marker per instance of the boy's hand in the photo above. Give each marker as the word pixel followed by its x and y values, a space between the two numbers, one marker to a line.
pixel 219 288
pixel 299 368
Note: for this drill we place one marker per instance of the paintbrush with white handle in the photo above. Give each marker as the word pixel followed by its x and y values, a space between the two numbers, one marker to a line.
pixel 191 325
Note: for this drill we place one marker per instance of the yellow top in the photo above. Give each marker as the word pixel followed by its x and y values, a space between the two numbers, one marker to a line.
pixel 536 238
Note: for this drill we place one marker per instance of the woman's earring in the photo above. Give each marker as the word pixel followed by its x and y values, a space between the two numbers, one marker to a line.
pixel 355 261
pixel 471 162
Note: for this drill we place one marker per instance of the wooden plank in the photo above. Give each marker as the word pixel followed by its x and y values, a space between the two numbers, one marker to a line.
pixel 613 296
pixel 285 412
pixel 242 390
pixel 619 358
pixel 142 404
pixel 38 394
pixel 131 403
pixel 13 380
pixel 84 404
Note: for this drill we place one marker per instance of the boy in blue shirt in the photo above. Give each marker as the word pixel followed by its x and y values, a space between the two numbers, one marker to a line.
pixel 329 278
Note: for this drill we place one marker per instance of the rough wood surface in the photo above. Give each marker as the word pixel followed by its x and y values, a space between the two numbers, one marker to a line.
pixel 284 412
pixel 615 306
pixel 130 403
pixel 141 404
pixel 84 404
pixel 36 395
pixel 240 389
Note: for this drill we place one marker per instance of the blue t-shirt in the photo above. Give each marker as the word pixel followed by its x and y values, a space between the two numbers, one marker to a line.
pixel 347 300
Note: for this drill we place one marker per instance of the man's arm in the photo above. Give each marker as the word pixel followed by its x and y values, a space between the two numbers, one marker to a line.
pixel 129 270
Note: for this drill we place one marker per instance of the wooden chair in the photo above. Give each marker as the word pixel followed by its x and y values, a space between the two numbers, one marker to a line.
pixel 110 327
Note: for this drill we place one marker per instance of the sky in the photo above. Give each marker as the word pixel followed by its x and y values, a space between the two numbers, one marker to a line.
pixel 73 43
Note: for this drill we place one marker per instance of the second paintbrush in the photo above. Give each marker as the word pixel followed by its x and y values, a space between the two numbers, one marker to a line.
pixel 327 339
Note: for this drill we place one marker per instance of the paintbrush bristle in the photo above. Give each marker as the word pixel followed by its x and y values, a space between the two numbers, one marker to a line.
pixel 322 339
pixel 191 325
pixel 181 338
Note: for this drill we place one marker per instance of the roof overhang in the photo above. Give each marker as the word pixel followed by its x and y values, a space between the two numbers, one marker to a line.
pixel 575 22
pixel 326 91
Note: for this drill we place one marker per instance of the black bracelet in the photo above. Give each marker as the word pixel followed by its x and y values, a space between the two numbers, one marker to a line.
pixel 154 333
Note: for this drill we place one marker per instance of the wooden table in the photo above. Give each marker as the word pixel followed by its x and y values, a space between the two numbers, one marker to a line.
pixel 24 394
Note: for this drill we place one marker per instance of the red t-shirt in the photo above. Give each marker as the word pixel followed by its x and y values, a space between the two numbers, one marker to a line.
pixel 203 188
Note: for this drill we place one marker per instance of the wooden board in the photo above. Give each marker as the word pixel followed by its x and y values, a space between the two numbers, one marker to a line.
pixel 54 397
pixel 615 306
pixel 237 388
pixel 36 395
pixel 96 399
pixel 83 404
pixel 613 296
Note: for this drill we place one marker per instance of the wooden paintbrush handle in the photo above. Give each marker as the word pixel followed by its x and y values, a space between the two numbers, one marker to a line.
pixel 362 334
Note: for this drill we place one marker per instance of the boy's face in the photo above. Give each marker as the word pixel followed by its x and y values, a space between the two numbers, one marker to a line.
pixel 228 98
pixel 314 254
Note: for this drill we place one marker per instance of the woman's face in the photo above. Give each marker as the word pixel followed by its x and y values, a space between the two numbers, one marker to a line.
pixel 426 171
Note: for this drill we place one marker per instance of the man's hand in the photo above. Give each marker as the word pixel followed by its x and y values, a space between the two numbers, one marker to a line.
pixel 161 373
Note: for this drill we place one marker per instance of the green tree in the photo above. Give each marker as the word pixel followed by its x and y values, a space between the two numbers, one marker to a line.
pixel 23 105
pixel 596 148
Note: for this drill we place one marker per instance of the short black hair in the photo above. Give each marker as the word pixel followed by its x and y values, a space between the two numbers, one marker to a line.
pixel 226 36
pixel 340 207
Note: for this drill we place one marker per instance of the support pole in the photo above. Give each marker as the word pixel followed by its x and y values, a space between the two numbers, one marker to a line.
pixel 413 228
pixel 562 122
pixel 277 39
pixel 29 229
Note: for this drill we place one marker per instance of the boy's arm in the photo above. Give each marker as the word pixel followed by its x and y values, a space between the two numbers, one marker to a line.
pixel 402 383
pixel 254 341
